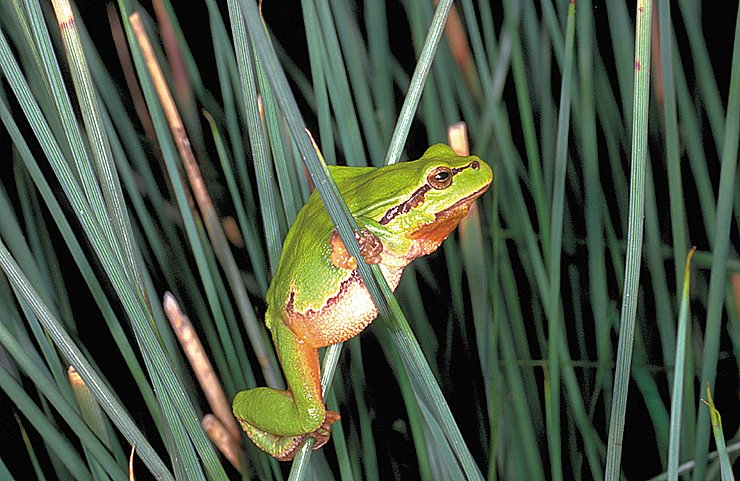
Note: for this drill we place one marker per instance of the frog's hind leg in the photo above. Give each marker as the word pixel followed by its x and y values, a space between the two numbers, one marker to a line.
pixel 285 447
pixel 279 421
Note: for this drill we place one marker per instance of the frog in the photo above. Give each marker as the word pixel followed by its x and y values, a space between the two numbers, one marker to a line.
pixel 316 297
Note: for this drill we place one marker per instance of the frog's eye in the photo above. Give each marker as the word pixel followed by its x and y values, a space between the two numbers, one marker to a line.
pixel 440 178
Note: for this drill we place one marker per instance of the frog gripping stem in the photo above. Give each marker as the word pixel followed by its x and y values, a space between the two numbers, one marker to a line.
pixel 317 298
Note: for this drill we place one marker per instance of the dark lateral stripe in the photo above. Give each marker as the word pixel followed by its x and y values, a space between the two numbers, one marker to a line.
pixel 343 287
pixel 417 198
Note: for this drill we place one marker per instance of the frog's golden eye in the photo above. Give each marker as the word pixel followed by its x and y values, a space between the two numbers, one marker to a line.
pixel 440 178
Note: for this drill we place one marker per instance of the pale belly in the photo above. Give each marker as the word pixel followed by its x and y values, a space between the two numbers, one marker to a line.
pixel 343 316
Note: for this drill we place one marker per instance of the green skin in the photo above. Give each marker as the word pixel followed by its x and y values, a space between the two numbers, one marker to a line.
pixel 316 298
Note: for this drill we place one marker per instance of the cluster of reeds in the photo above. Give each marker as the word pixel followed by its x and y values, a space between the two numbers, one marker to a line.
pixel 165 193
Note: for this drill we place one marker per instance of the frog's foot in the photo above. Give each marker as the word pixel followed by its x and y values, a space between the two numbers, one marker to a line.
pixel 285 447
pixel 370 248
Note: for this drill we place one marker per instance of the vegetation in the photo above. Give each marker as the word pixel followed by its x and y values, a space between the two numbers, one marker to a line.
pixel 564 332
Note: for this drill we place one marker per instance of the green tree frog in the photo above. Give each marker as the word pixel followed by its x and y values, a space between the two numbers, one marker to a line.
pixel 317 298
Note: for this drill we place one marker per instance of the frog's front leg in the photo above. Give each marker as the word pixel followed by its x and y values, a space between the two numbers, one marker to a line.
pixel 376 245
pixel 279 421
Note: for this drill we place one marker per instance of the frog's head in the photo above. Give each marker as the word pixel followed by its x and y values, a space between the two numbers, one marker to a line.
pixel 439 190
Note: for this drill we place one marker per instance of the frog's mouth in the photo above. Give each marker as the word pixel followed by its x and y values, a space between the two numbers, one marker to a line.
pixel 465 203
pixel 447 219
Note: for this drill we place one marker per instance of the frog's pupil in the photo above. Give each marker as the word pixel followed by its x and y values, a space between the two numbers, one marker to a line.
pixel 442 175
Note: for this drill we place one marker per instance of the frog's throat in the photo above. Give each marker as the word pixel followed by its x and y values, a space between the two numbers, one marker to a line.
pixel 433 233
pixel 417 197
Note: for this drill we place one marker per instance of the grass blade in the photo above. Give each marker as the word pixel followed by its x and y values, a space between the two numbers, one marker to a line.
pixel 108 401
pixel 679 376
pixel 556 232
pixel 719 439
pixel 718 279
pixel 634 238
pixel 418 80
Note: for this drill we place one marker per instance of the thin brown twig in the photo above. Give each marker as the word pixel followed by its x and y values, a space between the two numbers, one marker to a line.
pixel 222 438
pixel 129 75
pixel 460 49
pixel 201 365
pixel 131 476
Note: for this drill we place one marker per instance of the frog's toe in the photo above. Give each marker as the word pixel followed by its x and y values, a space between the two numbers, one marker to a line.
pixel 323 433
pixel 370 246
pixel 330 418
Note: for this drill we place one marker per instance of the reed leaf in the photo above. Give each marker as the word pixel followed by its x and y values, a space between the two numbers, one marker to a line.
pixel 634 238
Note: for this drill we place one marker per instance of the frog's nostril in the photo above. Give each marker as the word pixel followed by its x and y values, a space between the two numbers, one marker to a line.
pixel 474 164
